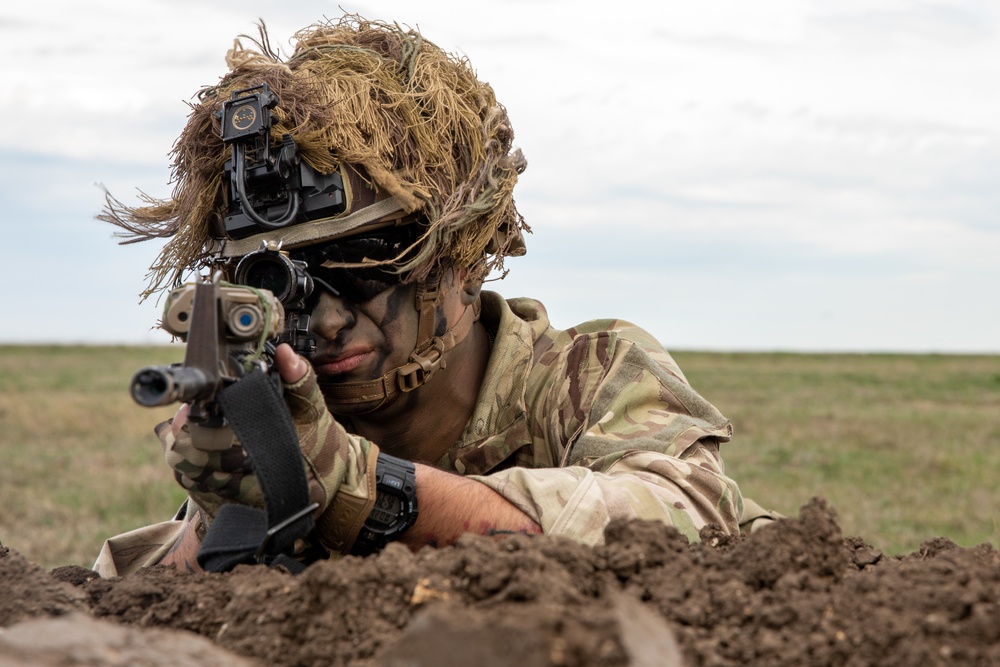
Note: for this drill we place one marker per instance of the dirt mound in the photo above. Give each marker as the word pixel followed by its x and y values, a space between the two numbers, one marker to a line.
pixel 795 593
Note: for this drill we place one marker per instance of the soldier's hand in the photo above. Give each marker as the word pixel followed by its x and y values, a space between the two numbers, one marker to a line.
pixel 209 463
pixel 340 468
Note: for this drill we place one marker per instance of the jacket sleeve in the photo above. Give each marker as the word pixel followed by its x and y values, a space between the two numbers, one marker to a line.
pixel 634 441
pixel 124 554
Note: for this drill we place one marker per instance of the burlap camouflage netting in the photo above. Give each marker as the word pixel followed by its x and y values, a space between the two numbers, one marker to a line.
pixel 378 96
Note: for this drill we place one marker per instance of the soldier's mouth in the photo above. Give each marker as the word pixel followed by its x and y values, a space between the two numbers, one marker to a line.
pixel 344 363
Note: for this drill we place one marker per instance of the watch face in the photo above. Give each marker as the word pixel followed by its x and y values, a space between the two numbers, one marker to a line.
pixel 395 506
pixel 386 510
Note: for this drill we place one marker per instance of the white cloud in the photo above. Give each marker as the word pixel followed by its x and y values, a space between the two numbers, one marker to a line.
pixel 775 166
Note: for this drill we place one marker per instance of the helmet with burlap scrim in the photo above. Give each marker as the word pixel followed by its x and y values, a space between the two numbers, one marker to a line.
pixel 373 100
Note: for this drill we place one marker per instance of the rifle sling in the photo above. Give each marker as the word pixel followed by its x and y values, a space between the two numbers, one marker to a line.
pixel 243 534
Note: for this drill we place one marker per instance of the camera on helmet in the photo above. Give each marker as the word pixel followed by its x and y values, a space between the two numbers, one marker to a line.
pixel 269 186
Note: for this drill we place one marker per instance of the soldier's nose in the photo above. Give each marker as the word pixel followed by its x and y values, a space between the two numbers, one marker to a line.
pixel 330 316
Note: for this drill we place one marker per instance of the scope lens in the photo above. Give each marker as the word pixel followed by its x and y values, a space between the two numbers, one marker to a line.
pixel 267 272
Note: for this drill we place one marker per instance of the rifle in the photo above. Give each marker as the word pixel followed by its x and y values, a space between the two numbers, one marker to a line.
pixel 231 331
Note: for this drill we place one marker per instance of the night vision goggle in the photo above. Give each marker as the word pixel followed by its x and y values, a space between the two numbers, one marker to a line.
pixel 269 187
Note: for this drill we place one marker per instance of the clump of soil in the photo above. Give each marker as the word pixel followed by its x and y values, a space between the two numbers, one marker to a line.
pixel 795 593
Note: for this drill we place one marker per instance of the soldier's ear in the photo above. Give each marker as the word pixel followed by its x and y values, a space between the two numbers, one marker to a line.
pixel 472 285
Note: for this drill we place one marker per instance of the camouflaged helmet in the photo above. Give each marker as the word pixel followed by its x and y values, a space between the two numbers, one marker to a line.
pixel 408 130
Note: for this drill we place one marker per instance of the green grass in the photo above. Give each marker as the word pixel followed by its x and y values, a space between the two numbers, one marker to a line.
pixel 905 447
pixel 80 461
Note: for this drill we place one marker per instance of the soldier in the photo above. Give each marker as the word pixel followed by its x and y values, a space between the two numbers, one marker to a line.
pixel 492 420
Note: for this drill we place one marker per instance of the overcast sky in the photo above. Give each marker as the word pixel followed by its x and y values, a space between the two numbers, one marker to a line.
pixel 731 175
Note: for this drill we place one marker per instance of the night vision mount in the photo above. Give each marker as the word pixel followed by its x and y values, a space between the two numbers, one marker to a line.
pixel 269 186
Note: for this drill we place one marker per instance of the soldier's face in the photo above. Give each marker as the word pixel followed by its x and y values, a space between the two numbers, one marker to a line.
pixel 364 341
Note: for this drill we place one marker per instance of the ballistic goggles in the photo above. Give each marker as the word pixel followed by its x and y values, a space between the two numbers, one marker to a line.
pixel 355 269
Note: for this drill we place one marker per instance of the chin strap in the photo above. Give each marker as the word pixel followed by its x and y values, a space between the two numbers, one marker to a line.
pixel 424 361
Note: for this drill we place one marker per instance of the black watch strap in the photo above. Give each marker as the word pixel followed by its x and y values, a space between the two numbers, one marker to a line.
pixel 395 507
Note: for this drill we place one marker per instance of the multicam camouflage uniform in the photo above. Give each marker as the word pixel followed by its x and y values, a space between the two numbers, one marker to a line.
pixel 575 428
pixel 582 426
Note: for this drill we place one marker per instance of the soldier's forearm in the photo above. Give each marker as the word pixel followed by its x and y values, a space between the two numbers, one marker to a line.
pixel 450 505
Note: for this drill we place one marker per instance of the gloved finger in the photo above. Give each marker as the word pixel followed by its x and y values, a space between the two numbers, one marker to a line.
pixel 198 464
pixel 209 463
pixel 181 454
pixel 305 399
pixel 175 423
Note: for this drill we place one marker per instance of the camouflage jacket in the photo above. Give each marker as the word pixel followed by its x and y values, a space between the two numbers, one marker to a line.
pixel 574 427
pixel 596 422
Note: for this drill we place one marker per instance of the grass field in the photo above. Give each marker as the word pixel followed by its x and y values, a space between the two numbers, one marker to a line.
pixel 905 447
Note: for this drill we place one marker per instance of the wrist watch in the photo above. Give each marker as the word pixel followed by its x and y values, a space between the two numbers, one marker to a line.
pixel 395 507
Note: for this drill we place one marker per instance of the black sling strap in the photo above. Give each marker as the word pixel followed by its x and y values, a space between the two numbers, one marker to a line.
pixel 243 534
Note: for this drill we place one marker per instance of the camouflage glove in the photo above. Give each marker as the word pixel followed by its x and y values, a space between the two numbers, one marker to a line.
pixel 340 468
